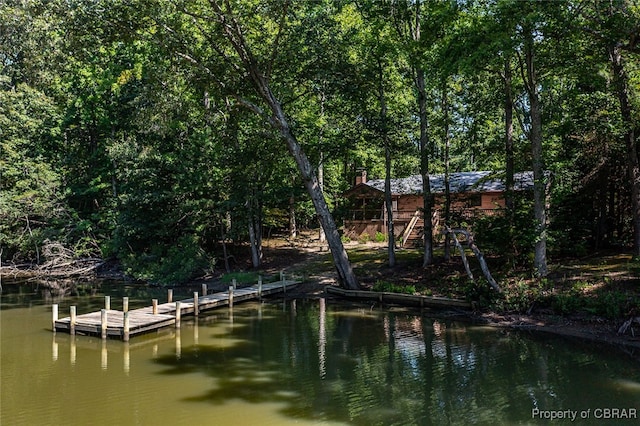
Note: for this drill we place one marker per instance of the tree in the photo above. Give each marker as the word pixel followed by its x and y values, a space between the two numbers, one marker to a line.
pixel 250 48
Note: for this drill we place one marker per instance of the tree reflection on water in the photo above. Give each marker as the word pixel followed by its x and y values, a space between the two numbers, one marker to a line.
pixel 330 363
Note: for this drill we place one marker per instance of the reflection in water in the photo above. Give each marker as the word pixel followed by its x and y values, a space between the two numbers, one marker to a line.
pixel 104 358
pixel 54 348
pixel 307 362
pixel 322 339
pixel 179 344
pixel 72 350
pixel 126 364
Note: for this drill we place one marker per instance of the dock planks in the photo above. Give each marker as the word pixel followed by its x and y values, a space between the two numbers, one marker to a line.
pixel 144 320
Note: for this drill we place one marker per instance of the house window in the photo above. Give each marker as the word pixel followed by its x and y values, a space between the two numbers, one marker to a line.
pixel 475 200
pixel 394 205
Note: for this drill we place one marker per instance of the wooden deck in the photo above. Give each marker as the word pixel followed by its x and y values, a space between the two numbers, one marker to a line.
pixel 119 324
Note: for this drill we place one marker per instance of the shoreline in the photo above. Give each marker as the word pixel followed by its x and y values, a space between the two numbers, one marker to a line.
pixel 584 328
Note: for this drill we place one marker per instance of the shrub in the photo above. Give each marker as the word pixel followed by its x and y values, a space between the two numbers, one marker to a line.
pixel 385 286
pixel 167 265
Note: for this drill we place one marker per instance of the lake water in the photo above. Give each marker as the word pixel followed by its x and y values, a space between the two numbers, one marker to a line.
pixel 304 362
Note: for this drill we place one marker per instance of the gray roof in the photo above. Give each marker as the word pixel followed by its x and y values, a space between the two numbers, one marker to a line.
pixel 484 181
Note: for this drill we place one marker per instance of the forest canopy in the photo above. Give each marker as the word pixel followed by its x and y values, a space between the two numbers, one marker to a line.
pixel 158 132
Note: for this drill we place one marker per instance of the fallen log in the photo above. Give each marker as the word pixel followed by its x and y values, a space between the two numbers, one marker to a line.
pixel 627 325
pixel 472 245
pixel 76 268
pixel 400 298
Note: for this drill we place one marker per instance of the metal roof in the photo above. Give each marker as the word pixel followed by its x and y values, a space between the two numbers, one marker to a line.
pixel 482 181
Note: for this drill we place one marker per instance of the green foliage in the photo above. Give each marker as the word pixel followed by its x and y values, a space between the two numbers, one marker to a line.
pixel 386 286
pixel 380 237
pixel 125 133
pixel 168 264
pixel 508 234
pixel 364 238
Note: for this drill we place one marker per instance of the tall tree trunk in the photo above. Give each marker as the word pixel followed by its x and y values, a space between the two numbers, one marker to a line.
pixel 253 237
pixel 293 229
pixel 447 171
pixel 322 238
pixel 391 244
pixel 427 197
pixel 508 138
pixel 233 32
pixel 539 185
pixel 621 81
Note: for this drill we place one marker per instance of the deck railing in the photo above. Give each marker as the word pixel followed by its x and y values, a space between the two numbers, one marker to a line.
pixel 407 215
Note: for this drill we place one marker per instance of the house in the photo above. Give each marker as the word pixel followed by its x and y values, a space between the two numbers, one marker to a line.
pixel 472 193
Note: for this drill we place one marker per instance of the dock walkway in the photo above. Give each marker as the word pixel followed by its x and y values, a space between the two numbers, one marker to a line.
pixel 127 323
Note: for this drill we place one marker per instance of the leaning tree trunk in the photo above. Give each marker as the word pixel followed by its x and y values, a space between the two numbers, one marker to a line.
pixel 233 32
pixel 621 81
pixel 346 276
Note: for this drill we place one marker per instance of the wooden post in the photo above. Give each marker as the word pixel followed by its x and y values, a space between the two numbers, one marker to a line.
pixel 204 289
pixel 107 303
pixel 54 316
pixel 260 286
pixel 72 322
pixel 195 303
pixel 231 296
pixel 281 275
pixel 154 303
pixel 103 323
pixel 234 283
pixel 125 326
pixel 178 313
pixel 125 304
pixel 170 295
pixel 284 285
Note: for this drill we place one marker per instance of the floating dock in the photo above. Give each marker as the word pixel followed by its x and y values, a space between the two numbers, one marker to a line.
pixel 125 323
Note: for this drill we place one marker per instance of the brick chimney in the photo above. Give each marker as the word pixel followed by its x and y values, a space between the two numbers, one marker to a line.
pixel 362 177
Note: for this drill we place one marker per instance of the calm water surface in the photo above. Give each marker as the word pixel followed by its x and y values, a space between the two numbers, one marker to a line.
pixel 302 362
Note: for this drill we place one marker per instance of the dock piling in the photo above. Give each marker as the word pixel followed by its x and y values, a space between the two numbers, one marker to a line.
pixel 178 313
pixel 54 315
pixel 170 295
pixel 234 283
pixel 204 289
pixel 127 323
pixel 72 320
pixel 125 326
pixel 103 323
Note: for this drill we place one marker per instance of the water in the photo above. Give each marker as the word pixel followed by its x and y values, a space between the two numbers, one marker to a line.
pixel 302 362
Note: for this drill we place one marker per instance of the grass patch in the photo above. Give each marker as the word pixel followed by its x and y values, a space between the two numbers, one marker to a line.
pixel 389 287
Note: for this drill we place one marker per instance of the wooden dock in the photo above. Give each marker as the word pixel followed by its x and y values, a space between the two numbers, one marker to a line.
pixel 127 323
